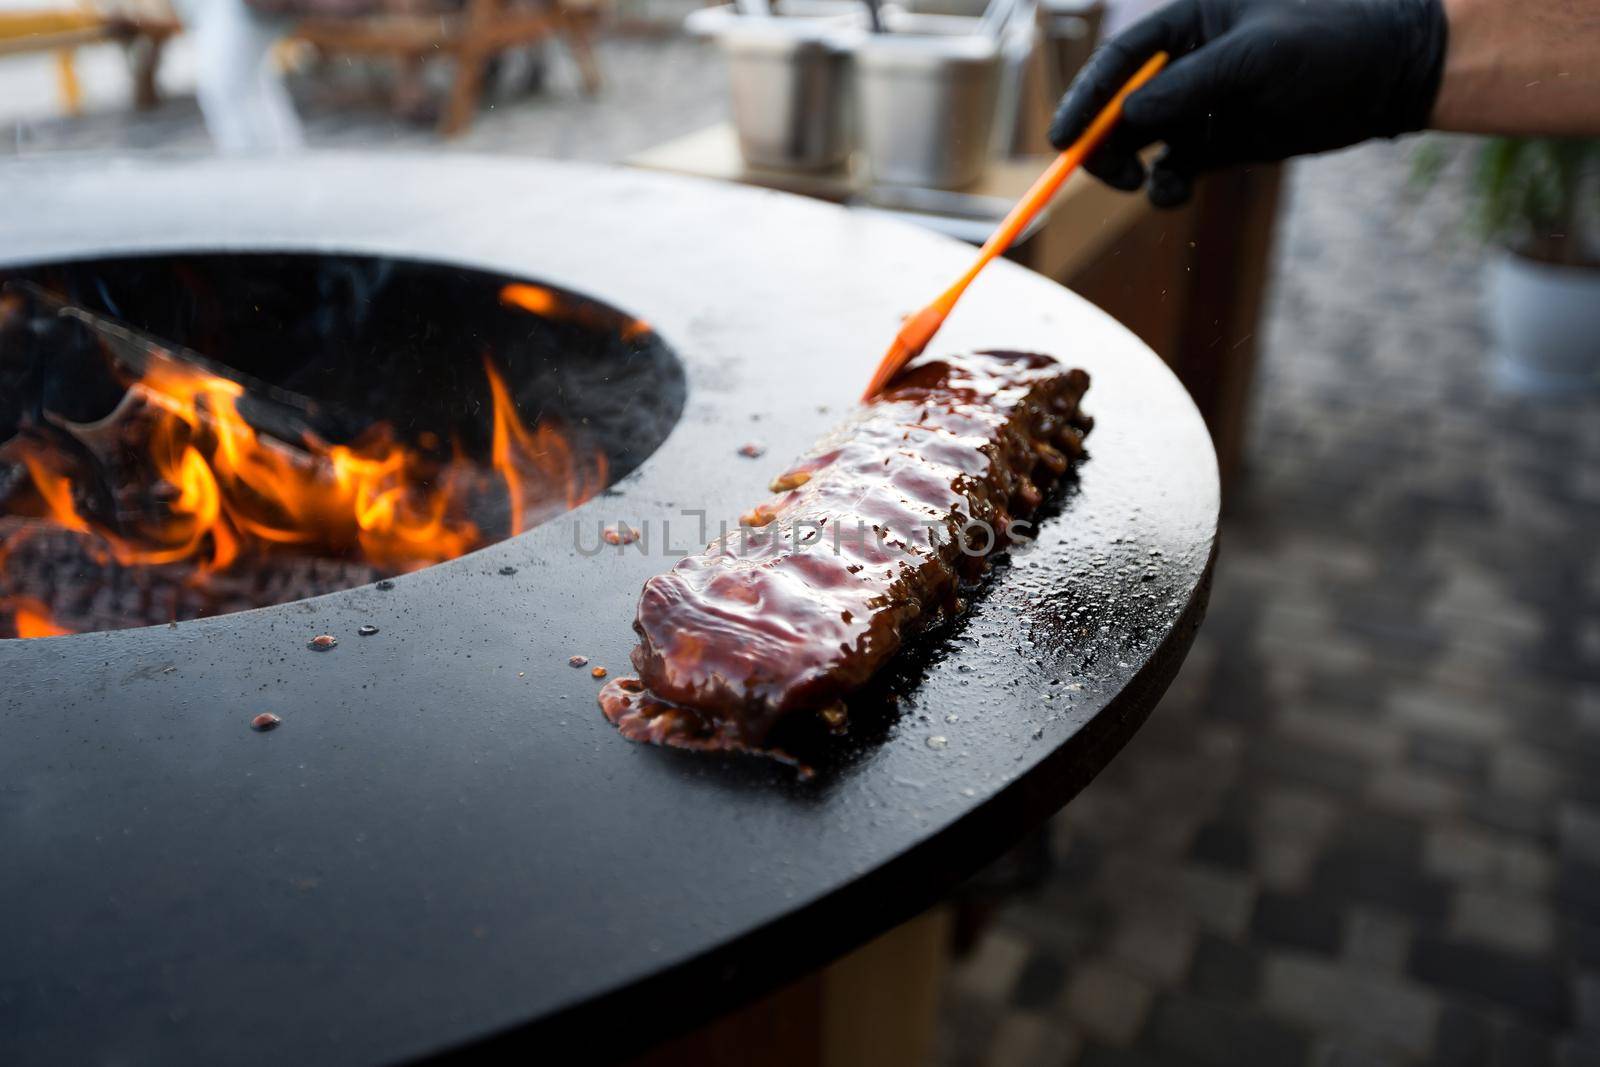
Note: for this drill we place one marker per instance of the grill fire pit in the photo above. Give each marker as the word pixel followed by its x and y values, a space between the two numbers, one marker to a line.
pixel 442 846
pixel 267 427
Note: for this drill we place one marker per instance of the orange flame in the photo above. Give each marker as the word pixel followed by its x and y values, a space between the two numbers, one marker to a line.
pixel 534 298
pixel 552 305
pixel 537 465
pixel 229 490
pixel 32 619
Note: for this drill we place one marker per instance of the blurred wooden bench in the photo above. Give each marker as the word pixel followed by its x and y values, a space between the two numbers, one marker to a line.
pixel 472 34
pixel 64 31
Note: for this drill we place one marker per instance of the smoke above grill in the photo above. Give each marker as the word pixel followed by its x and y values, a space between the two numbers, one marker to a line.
pixel 188 435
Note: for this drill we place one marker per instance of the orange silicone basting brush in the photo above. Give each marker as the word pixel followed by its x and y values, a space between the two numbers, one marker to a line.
pixel 919 329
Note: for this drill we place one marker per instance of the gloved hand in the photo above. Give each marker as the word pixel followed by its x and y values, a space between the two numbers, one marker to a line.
pixel 1253 81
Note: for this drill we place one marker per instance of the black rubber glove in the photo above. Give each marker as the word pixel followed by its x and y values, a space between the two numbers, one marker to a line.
pixel 1252 81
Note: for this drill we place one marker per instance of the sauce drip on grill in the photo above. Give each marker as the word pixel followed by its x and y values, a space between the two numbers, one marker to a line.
pixel 868 541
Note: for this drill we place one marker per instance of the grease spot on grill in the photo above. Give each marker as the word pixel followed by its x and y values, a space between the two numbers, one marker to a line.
pixel 322 642
pixel 264 722
pixel 385 584
pixel 752 450
pixel 790 480
pixel 758 516
pixel 366 630
pixel 508 570
pixel 578 661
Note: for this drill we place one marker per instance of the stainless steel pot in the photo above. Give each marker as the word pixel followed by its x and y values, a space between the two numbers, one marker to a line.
pixel 789 79
pixel 1073 29
pixel 926 95
pixel 790 89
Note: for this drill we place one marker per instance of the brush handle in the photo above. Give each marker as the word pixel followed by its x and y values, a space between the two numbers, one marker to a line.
pixel 1044 188
pixel 918 330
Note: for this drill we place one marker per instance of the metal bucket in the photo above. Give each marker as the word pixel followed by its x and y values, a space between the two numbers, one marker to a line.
pixel 926 96
pixel 789 78
pixel 1073 29
pixel 790 98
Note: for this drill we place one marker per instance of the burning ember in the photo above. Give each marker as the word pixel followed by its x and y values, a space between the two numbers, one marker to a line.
pixel 553 305
pixel 32 619
pixel 183 484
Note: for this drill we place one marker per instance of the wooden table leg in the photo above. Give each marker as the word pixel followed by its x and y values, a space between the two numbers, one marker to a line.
pixel 876 1007
pixel 1235 219
pixel 462 106
pixel 880 1003
pixel 67 83
pixel 145 53
pixel 472 55
pixel 577 30
pixel 1190 283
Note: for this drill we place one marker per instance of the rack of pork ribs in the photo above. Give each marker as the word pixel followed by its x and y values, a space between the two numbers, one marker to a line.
pixel 870 539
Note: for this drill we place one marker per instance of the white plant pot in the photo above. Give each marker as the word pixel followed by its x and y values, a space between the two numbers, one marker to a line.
pixel 1544 321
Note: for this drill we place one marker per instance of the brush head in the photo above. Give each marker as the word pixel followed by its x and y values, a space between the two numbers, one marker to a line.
pixel 914 335
pixel 919 329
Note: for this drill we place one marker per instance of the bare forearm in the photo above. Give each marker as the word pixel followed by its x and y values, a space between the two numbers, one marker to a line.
pixel 1519 67
pixel 1252 81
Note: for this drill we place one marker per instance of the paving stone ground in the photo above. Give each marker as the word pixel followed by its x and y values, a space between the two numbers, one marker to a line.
pixel 1364 827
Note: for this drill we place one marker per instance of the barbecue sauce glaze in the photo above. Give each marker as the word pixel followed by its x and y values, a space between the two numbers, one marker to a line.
pixel 869 540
